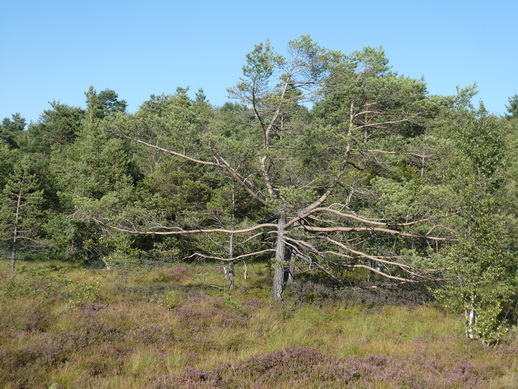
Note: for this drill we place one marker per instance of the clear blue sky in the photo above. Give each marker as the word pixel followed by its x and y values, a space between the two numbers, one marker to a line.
pixel 55 49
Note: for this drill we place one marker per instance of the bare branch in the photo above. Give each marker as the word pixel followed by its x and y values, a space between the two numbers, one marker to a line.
pixel 253 237
pixel 225 166
pixel 168 151
pixel 239 257
pixel 181 231
pixel 379 272
pixel 320 254
pixel 368 125
pixel 308 259
pixel 374 229
pixel 373 222
pixel 348 216
pixel 373 258
pixel 242 181
pixel 393 152
pixel 266 176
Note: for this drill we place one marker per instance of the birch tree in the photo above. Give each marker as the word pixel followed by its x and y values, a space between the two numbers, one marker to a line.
pixel 481 266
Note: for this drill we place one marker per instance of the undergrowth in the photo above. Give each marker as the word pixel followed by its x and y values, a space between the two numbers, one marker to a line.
pixel 177 327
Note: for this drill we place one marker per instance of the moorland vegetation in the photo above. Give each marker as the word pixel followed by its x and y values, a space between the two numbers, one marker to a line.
pixel 333 223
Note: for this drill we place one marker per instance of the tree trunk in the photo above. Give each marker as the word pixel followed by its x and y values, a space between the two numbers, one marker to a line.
pixel 231 272
pixel 280 260
pixel 291 268
pixel 15 230
pixel 245 271
pixel 13 255
pixel 471 319
pixel 231 283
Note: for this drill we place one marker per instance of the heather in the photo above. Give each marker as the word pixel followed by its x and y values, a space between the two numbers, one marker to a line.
pixel 175 326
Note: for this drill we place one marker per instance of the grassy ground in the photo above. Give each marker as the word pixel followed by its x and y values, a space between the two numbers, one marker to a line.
pixel 176 327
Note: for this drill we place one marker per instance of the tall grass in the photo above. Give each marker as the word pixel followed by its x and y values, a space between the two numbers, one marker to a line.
pixel 176 326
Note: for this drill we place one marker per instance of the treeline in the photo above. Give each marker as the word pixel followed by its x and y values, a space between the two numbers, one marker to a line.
pixel 323 162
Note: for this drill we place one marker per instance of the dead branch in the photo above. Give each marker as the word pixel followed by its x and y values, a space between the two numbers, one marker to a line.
pixel 181 231
pixel 393 152
pixel 239 257
pixel 373 258
pixel 374 229
pixel 321 254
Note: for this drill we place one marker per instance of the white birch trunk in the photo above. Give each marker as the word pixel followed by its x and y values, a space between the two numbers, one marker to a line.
pixel 471 319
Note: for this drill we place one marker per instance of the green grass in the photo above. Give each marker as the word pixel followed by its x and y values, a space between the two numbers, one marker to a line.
pixel 64 325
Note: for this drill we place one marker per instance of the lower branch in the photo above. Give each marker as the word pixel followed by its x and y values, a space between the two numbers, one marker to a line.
pixel 308 259
pixel 322 255
pixel 230 259
pixel 374 229
pixel 181 231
